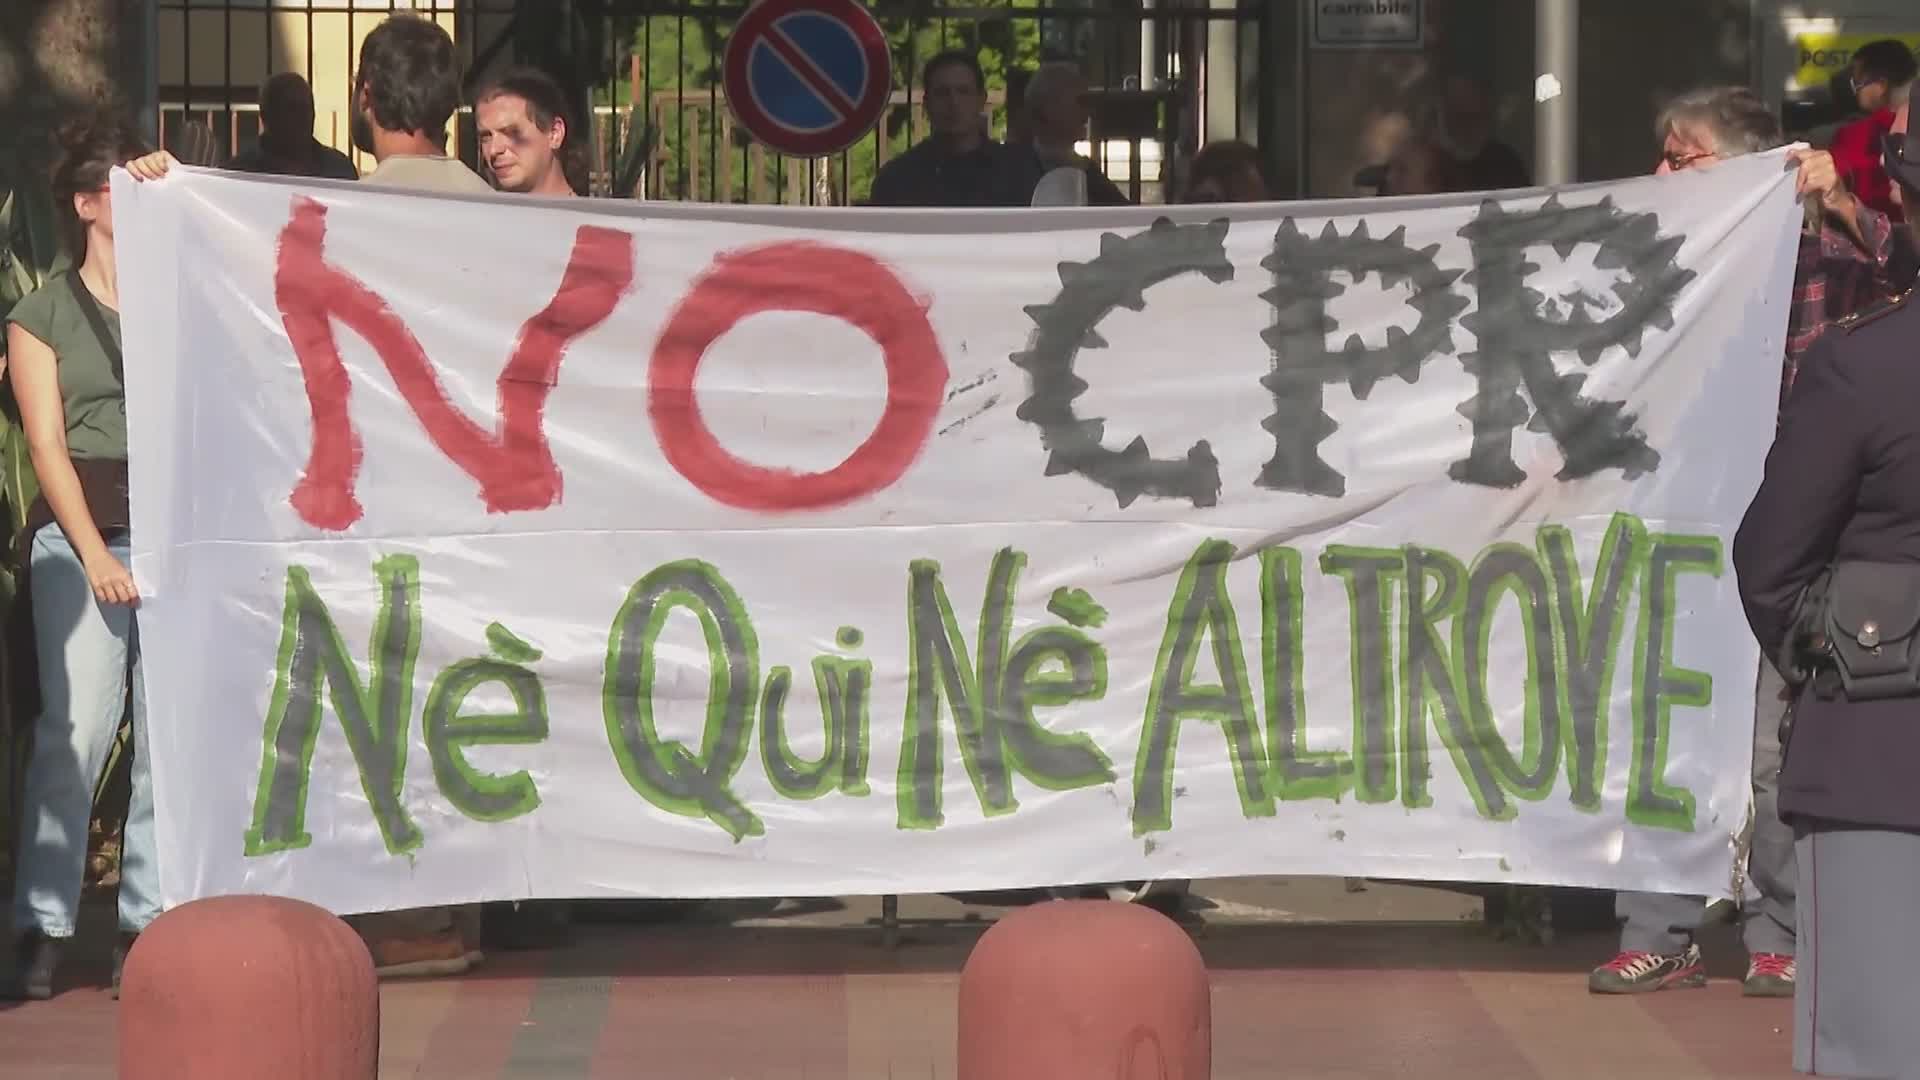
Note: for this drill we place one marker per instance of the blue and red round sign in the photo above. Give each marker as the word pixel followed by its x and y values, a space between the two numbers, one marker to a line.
pixel 808 77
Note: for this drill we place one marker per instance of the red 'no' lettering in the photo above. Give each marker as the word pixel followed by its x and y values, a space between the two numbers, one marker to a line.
pixel 514 465
pixel 798 276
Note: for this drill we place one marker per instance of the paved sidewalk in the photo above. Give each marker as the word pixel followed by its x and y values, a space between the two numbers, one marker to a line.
pixel 1308 981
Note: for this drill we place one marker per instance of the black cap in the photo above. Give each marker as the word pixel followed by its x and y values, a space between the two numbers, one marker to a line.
pixel 1901 155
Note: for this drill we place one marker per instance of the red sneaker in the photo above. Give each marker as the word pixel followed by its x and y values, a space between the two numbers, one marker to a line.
pixel 1769 975
pixel 1645 972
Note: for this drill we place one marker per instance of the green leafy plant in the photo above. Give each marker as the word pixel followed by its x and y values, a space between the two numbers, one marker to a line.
pixel 29 255
pixel 631 167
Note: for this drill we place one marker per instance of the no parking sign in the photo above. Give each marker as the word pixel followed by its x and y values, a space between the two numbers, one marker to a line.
pixel 808 77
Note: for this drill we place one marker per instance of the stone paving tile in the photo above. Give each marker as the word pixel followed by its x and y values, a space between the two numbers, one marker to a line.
pixel 702 1000
pixel 1354 1023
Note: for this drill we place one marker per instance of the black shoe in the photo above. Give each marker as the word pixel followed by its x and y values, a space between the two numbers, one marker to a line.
pixel 120 950
pixel 35 958
pixel 528 924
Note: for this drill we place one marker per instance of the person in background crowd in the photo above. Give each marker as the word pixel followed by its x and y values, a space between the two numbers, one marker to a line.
pixel 957 164
pixel 1226 170
pixel 1841 269
pixel 64 360
pixel 1054 104
pixel 1881 78
pixel 1422 166
pixel 527 138
pixel 405 91
pixel 1464 125
pixel 286 146
pixel 1842 486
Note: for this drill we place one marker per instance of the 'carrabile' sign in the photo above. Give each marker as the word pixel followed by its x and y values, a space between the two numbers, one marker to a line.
pixel 497 548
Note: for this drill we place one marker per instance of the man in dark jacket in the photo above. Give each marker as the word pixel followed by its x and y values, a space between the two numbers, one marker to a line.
pixel 1842 486
pixel 287 146
pixel 957 164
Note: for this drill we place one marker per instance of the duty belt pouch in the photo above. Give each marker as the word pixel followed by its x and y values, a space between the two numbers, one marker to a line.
pixel 1804 652
pixel 1871 629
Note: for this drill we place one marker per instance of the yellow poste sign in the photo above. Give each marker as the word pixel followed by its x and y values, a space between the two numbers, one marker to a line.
pixel 1819 57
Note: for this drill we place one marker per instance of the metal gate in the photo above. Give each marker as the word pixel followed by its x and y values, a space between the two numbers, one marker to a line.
pixel 1167 75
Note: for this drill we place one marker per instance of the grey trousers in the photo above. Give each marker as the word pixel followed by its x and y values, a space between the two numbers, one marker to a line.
pixel 1856 1012
pixel 1658 923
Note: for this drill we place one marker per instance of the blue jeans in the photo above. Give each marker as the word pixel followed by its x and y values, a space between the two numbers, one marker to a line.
pixel 88 652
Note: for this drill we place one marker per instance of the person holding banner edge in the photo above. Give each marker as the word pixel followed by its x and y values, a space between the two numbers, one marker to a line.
pixel 63 355
pixel 1841 269
pixel 1828 564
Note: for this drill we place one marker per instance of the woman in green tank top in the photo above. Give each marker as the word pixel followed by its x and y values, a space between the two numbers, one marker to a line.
pixel 63 355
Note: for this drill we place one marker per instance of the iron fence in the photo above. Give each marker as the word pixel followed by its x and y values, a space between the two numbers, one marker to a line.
pixel 1166 75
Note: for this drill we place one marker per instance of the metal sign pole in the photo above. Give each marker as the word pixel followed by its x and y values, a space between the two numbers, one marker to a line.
pixel 1556 111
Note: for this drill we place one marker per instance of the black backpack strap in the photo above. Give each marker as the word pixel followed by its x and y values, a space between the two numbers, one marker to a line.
pixel 91 309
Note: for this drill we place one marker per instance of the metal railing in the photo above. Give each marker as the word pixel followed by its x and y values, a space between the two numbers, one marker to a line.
pixel 1165 70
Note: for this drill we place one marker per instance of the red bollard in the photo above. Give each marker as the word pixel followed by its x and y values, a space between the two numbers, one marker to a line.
pixel 245 987
pixel 1085 990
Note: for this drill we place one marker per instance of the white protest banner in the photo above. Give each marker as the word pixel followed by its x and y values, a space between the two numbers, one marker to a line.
pixel 499 548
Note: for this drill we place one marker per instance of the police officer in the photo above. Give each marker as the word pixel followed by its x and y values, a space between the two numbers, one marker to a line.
pixel 1842 491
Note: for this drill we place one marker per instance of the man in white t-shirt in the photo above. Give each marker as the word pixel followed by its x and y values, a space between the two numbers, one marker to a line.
pixel 405 91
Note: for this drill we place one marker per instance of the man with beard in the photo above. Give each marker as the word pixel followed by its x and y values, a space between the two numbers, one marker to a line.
pixel 404 93
pixel 527 138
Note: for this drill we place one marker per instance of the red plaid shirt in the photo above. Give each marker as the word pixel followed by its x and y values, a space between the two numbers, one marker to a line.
pixel 1833 278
